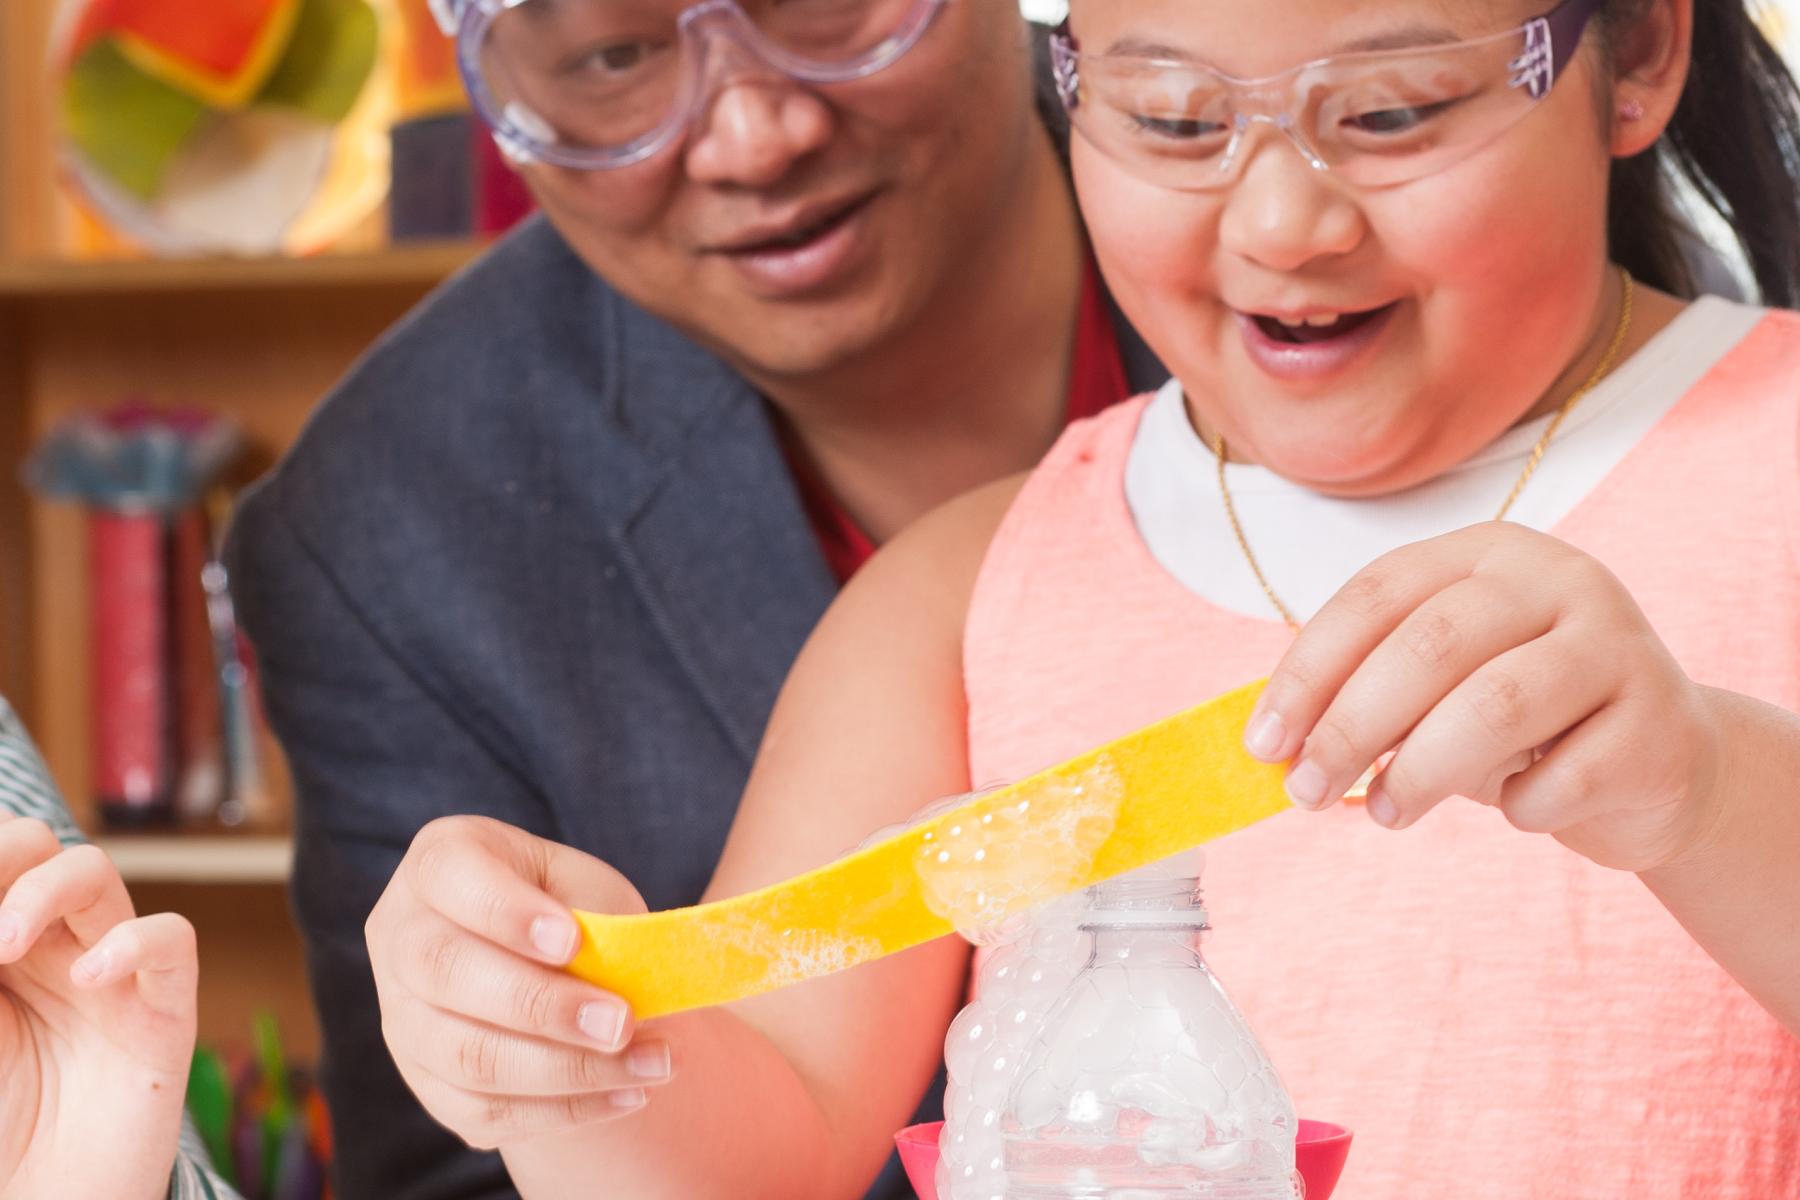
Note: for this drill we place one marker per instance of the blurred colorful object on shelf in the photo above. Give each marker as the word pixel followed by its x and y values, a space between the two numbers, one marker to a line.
pixel 224 126
pixel 426 81
pixel 161 705
pixel 449 180
pixel 133 458
pixel 222 53
pixel 263 1123
pixel 210 1104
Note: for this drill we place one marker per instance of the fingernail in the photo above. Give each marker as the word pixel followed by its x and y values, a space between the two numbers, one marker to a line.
pixel 1265 736
pixel 1307 785
pixel 629 1098
pixel 93 964
pixel 602 1020
pixel 650 1061
pixel 10 928
pixel 554 938
pixel 1381 807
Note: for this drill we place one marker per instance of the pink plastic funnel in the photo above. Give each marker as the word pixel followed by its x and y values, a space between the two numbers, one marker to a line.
pixel 1319 1154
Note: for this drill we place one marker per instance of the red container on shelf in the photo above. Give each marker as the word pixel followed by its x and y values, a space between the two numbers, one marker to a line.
pixel 142 474
pixel 134 714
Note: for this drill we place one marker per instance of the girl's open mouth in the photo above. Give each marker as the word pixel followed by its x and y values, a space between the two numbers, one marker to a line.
pixel 1312 349
pixel 1314 330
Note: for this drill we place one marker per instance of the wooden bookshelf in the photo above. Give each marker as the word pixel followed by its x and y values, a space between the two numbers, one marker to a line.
pixel 257 340
pixel 261 354
pixel 259 343
pixel 408 267
pixel 201 858
pixel 27 222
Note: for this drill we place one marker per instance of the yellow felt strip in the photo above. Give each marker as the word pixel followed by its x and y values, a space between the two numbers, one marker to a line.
pixel 1182 782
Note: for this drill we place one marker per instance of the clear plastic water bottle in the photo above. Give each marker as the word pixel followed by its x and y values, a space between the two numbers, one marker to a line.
pixel 1144 1082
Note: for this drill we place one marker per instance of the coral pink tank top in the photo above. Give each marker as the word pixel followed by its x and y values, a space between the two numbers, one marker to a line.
pixel 1496 1017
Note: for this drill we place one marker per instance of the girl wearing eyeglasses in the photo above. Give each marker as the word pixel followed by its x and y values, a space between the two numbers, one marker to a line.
pixel 1455 453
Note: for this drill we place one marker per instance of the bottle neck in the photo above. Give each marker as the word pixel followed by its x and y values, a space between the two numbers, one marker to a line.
pixel 1160 902
pixel 1145 922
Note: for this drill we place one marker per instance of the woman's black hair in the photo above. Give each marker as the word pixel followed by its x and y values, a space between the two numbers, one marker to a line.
pixel 1736 138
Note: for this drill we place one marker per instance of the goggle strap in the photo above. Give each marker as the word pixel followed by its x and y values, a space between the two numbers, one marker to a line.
pixel 1065 65
pixel 1550 42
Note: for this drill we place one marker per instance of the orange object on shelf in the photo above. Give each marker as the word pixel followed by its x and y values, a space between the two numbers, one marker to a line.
pixel 221 52
pixel 426 81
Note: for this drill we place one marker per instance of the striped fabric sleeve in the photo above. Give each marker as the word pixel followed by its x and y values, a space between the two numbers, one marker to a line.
pixel 25 787
pixel 194 1178
pixel 26 791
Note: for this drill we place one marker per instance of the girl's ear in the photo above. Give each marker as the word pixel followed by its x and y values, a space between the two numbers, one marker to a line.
pixel 1651 57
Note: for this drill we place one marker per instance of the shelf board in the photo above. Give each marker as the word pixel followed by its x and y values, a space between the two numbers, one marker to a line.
pixel 422 265
pixel 200 858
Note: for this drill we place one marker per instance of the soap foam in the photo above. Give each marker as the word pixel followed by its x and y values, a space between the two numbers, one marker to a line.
pixel 791 955
pixel 1024 848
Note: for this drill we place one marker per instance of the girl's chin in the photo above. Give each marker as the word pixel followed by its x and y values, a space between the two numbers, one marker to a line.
pixel 1348 465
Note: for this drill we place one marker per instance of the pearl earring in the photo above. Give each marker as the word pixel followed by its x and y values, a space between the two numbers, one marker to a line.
pixel 1631 110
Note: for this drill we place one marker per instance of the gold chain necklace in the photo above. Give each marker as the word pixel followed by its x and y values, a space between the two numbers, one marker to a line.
pixel 1537 453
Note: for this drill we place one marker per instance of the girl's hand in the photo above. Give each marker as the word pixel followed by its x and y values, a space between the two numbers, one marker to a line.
pixel 96 1025
pixel 1510 668
pixel 468 943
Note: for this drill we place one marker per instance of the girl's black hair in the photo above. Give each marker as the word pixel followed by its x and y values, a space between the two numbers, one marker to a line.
pixel 1736 138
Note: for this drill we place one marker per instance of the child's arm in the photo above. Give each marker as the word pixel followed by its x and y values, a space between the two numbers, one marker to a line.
pixel 1512 668
pixel 86 1056
pixel 791 1095
pixel 1738 891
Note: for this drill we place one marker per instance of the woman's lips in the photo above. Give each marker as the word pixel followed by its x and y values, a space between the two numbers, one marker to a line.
pixel 1312 353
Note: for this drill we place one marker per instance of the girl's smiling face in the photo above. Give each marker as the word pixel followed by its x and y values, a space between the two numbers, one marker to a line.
pixel 1492 272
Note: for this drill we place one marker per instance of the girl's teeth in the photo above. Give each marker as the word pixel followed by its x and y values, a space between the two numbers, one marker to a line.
pixel 1322 322
pixel 1319 322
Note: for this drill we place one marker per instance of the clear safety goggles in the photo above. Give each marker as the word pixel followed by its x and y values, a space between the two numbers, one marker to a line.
pixel 600 84
pixel 1376 118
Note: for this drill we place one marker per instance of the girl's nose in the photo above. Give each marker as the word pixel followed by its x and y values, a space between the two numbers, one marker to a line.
pixel 1283 213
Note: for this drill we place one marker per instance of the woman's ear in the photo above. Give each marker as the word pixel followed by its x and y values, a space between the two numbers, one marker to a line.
pixel 1651 57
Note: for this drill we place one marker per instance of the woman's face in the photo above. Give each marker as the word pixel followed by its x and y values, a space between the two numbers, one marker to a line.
pixel 1495 267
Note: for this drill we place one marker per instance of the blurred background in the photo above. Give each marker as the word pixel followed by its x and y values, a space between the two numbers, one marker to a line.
pixel 208 209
